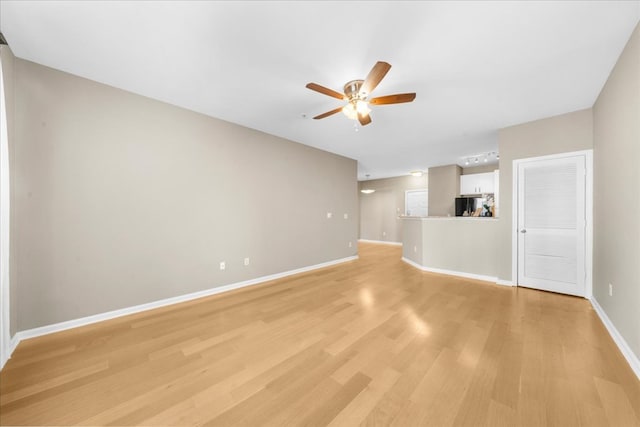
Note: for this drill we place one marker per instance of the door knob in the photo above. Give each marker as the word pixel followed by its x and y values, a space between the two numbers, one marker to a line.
pixel 523 231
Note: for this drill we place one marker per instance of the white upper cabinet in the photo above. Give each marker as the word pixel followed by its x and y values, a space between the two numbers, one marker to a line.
pixel 479 183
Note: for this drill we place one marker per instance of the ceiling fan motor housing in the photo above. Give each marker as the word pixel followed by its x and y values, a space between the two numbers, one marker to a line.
pixel 352 90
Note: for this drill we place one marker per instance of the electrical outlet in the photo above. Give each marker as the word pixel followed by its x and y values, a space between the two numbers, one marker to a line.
pixel 222 265
pixel 384 233
pixel 415 249
pixel 346 216
pixel 329 215
pixel 610 290
pixel 350 244
pixel 246 261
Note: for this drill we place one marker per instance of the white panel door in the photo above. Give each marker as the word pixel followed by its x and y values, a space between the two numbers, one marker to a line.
pixel 552 225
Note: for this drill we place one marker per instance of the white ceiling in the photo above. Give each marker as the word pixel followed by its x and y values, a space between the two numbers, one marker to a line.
pixel 476 66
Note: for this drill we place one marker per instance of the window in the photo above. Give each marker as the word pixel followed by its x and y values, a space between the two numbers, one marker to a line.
pixel 416 203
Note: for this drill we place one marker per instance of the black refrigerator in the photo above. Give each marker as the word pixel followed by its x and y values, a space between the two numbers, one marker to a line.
pixel 467 204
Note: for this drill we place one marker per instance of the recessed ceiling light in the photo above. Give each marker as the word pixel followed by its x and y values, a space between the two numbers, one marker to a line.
pixel 416 173
pixel 367 190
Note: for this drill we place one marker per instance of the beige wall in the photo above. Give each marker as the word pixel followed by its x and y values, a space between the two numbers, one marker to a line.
pixel 462 245
pixel 379 211
pixel 616 120
pixel 444 187
pixel 9 90
pixel 465 245
pixel 479 169
pixel 121 200
pixel 412 242
pixel 559 134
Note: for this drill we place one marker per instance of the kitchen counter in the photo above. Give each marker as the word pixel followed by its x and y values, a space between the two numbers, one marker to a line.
pixel 462 246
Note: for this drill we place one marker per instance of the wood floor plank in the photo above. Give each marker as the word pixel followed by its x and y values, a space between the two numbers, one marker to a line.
pixel 618 408
pixel 369 342
pixel 358 409
pixel 324 413
pixel 54 382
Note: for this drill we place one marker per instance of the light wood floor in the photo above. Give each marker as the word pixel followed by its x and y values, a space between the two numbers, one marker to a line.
pixel 372 342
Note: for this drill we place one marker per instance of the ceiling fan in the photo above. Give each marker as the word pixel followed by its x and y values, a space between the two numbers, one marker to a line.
pixel 356 93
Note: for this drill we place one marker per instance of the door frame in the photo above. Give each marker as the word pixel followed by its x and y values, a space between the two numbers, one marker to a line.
pixel 588 205
pixel 5 227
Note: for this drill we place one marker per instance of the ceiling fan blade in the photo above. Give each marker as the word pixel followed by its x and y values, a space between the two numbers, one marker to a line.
pixel 364 119
pixel 327 114
pixel 325 90
pixel 393 99
pixel 376 74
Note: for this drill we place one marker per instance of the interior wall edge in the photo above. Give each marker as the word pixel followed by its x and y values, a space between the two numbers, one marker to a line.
pixel 15 340
pixel 7 240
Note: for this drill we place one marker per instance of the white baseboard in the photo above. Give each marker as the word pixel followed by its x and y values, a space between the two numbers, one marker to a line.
pixel 15 340
pixel 412 263
pixel 62 326
pixel 628 354
pixel 504 282
pixel 13 343
pixel 451 272
pixel 384 242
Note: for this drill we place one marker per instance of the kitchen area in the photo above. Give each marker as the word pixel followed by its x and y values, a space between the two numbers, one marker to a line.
pixel 458 234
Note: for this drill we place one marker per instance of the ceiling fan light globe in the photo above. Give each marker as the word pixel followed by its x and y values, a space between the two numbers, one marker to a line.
pixel 349 110
pixel 362 107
